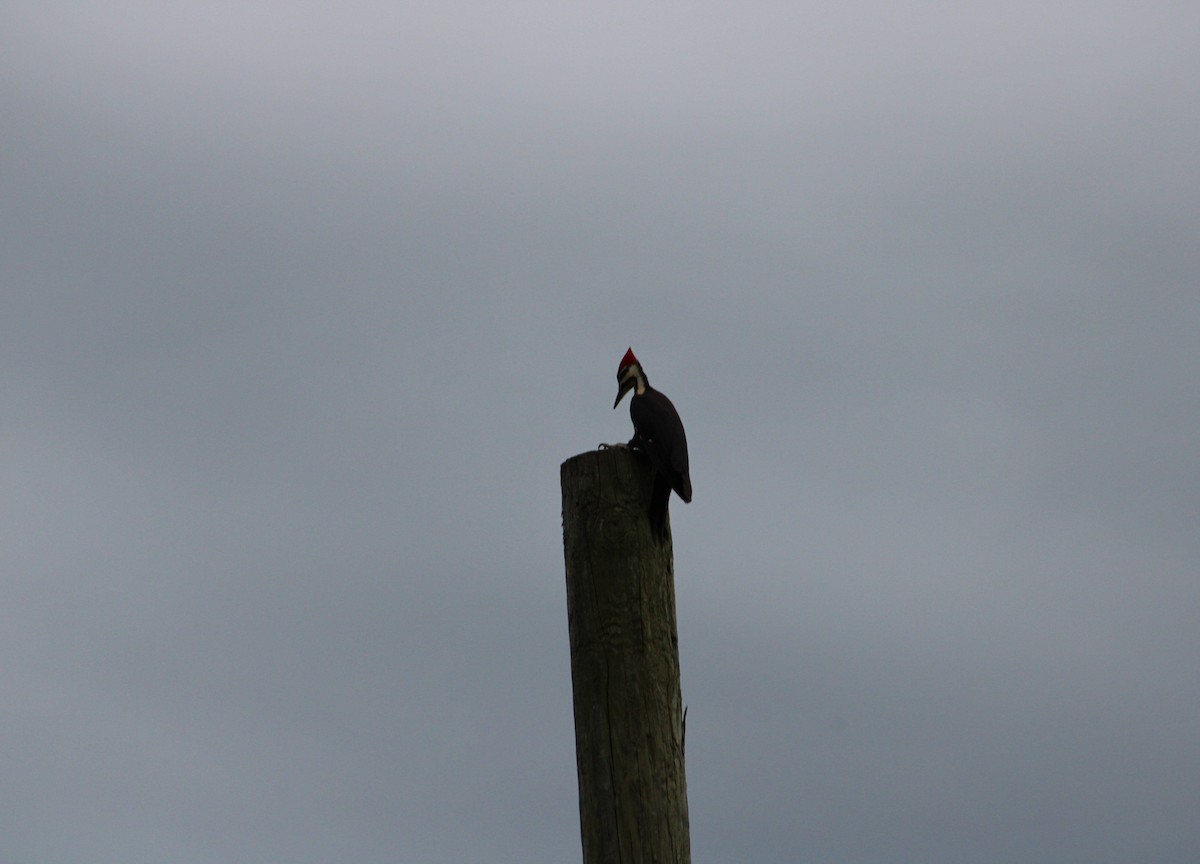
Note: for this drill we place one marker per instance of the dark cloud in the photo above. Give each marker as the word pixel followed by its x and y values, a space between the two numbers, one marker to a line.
pixel 303 309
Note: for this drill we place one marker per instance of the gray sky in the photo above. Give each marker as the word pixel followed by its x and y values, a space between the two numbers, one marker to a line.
pixel 303 306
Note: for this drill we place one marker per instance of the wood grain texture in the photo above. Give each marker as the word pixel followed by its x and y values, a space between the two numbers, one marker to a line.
pixel 624 665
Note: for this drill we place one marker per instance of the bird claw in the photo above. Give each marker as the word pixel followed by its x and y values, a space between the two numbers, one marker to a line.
pixel 613 447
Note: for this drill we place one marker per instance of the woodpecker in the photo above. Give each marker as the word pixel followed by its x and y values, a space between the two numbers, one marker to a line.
pixel 657 432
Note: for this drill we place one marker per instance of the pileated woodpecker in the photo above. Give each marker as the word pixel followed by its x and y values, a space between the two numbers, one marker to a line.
pixel 657 432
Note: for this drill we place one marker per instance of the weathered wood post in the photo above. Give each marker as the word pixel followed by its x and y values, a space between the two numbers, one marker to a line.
pixel 624 665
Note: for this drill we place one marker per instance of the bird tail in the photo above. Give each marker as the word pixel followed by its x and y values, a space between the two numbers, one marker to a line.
pixel 660 496
pixel 684 488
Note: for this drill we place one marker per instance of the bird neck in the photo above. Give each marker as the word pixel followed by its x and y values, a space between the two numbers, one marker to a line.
pixel 640 384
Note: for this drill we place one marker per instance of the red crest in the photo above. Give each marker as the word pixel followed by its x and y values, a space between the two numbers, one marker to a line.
pixel 627 360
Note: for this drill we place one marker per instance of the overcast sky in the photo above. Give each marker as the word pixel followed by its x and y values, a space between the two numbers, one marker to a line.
pixel 303 305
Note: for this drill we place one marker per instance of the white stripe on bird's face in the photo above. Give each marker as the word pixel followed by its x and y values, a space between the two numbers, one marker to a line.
pixel 633 371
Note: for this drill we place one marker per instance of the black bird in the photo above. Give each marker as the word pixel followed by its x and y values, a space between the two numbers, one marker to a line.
pixel 657 432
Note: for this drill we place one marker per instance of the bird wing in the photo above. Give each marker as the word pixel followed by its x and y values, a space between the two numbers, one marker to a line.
pixel 658 423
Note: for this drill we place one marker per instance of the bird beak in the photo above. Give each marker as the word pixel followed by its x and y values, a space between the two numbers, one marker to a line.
pixel 624 388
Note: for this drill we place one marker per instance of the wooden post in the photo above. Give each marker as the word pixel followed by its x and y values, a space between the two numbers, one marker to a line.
pixel 624 665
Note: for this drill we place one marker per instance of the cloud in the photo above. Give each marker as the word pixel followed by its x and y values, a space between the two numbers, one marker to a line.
pixel 305 306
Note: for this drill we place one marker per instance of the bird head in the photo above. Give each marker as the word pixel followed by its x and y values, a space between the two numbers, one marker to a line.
pixel 629 376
